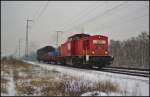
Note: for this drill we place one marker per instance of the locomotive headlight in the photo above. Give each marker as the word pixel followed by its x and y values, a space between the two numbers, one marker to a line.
pixel 93 52
pixel 106 52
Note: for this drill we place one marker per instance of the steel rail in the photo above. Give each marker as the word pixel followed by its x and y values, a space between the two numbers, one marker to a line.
pixel 127 72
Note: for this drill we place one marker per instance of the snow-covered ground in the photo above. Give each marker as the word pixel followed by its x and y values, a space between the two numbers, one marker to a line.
pixel 11 89
pixel 97 93
pixel 11 85
pixel 130 85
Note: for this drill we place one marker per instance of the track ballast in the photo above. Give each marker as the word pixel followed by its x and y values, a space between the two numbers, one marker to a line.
pixel 133 72
pixel 118 70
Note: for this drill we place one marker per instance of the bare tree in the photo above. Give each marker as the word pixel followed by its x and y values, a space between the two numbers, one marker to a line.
pixel 132 53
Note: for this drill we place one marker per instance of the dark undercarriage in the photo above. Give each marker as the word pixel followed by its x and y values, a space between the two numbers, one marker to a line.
pixel 82 61
pixel 99 61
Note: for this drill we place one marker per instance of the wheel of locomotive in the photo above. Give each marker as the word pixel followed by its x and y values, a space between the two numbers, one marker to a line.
pixel 89 67
pixel 48 62
pixel 69 61
pixel 39 60
pixel 102 65
pixel 79 65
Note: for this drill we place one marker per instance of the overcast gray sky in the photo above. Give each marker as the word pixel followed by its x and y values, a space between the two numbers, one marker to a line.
pixel 119 20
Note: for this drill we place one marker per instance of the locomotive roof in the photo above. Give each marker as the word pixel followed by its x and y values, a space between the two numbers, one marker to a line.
pixel 78 36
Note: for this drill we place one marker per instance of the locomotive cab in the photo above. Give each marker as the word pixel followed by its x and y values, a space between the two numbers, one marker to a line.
pixel 98 51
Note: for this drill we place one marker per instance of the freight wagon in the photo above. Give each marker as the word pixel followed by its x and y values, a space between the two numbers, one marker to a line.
pixel 47 54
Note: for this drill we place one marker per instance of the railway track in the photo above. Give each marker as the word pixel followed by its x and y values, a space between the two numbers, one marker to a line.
pixel 119 70
pixel 133 72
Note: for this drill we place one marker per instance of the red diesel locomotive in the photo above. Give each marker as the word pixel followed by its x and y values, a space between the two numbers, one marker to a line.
pixel 85 51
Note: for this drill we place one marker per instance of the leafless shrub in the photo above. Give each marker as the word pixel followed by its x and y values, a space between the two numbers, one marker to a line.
pixel 4 88
pixel 4 85
pixel 3 80
pixel 55 71
pixel 106 86
pixel 76 88
pixel 45 83
pixel 27 89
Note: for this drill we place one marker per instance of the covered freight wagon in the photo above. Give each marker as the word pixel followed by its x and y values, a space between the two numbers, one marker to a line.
pixel 43 53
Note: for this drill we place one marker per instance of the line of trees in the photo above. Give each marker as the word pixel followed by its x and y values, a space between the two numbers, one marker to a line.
pixel 131 53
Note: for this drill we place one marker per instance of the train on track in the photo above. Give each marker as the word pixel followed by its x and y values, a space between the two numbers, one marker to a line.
pixel 80 50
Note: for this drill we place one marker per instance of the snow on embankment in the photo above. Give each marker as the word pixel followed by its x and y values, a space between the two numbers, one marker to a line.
pixel 130 85
pixel 11 89
pixel 11 85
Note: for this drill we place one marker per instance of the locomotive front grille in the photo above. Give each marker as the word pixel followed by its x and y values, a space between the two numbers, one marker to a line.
pixel 101 58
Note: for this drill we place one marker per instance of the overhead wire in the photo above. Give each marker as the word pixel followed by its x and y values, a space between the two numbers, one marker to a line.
pixel 77 19
pixel 37 16
pixel 131 20
pixel 44 8
pixel 126 20
pixel 87 13
pixel 97 16
pixel 36 12
pixel 79 15
pixel 84 11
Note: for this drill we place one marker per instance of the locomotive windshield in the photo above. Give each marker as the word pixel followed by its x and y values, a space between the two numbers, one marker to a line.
pixel 99 41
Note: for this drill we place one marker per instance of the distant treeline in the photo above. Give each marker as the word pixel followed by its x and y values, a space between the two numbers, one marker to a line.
pixel 133 53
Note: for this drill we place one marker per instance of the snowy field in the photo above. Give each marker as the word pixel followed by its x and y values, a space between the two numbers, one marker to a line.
pixel 23 79
pixel 40 79
pixel 130 85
